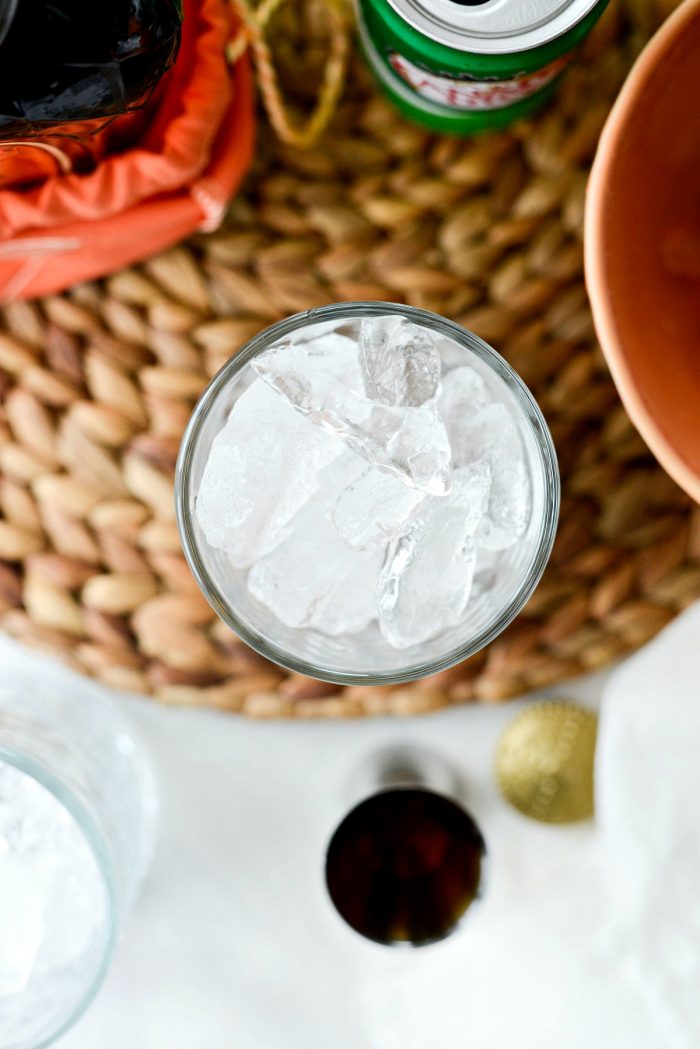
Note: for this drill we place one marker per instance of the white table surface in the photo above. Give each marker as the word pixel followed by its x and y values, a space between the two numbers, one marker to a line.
pixel 233 942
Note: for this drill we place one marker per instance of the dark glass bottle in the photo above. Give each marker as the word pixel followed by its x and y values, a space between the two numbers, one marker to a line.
pixel 70 61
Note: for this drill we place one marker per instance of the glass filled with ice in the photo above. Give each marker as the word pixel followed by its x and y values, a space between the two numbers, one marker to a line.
pixel 367 493
pixel 77 817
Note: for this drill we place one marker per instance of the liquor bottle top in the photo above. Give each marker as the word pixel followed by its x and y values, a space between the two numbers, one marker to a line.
pixel 544 762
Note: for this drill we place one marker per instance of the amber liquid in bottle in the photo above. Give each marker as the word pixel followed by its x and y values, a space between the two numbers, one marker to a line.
pixel 63 61
pixel 404 866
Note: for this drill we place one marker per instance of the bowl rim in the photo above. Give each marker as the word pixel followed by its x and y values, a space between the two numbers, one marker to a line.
pixel 638 406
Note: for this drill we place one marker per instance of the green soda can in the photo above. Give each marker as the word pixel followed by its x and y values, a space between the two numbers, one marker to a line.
pixel 471 65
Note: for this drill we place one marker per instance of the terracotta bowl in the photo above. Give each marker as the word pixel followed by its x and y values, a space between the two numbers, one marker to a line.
pixel 643 245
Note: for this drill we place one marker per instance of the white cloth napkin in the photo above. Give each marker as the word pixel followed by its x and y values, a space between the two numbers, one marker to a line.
pixel 648 814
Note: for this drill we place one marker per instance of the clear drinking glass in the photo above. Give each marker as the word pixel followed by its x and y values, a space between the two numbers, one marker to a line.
pixel 77 823
pixel 407 860
pixel 366 658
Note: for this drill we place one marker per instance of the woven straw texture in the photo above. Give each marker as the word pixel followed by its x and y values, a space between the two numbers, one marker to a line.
pixel 96 387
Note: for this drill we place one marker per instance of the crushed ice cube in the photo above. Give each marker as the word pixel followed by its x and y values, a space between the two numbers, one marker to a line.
pixel 491 435
pixel 319 330
pixel 376 358
pixel 425 581
pixel 324 383
pixel 308 374
pixel 462 394
pixel 486 570
pixel 313 579
pixel 400 362
pixel 372 509
pixel 262 468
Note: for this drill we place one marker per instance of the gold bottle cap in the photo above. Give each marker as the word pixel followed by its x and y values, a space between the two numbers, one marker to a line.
pixel 544 762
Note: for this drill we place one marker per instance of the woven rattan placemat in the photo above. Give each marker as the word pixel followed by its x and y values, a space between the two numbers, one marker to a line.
pixel 97 385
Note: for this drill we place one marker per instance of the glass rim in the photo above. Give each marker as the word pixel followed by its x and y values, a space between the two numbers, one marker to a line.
pixel 36 770
pixel 463 337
